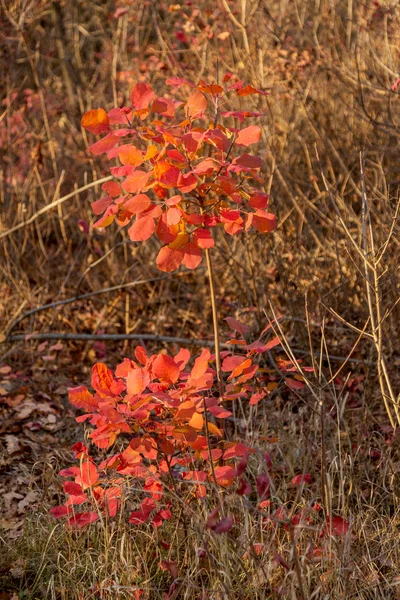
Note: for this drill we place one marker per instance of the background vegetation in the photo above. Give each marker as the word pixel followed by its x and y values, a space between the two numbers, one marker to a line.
pixel 330 147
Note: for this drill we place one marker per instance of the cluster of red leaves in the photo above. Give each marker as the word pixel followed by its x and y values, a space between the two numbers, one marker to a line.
pixel 169 413
pixel 163 408
pixel 178 178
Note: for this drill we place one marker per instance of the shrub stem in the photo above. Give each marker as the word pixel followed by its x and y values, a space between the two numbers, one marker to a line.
pixel 215 320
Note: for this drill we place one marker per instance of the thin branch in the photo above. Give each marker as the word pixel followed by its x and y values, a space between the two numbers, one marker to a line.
pixel 110 336
pixel 53 204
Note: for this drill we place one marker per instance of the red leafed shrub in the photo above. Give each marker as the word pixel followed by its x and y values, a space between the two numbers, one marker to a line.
pixel 183 169
pixel 168 411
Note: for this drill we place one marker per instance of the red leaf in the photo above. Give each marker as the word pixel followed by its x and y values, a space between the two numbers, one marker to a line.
pixel 211 89
pixel 165 369
pixel 192 256
pixel 111 188
pixel 136 381
pixel 142 514
pixel 70 487
pixel 301 479
pixel 169 260
pixel 237 325
pixel 339 525
pixel 103 381
pixel 88 474
pixel 244 488
pixel 256 398
pixel 136 182
pixel 99 206
pixel 241 115
pixel 224 525
pixel 206 167
pixel 259 200
pixel 247 161
pixel 219 412
pixel 142 229
pixel 263 483
pixel 174 215
pixel 294 384
pixel 236 450
pixel 108 217
pixel 82 398
pixel 196 104
pixel 201 364
pixel 166 174
pixel 83 519
pixel 141 96
pixel 178 81
pixel 395 85
pixel 141 355
pixel 203 238
pixel 130 155
pixel 106 144
pixel 212 519
pixel 137 204
pixel 263 221
pixel 249 135
pixel 60 511
pixel 231 362
pixel 187 183
pixel 96 121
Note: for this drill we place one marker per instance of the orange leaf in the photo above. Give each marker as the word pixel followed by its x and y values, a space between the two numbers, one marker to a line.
pixel 196 104
pixel 136 182
pixel 197 421
pixel 88 475
pixel 224 475
pixel 96 121
pixel 166 174
pixel 142 229
pixel 214 429
pixel 185 411
pixel 240 368
pixel 165 369
pixel 249 135
pixel 192 255
pixel 184 433
pixel 211 89
pixel 201 364
pixel 135 382
pixel 169 260
pixel 130 155
pixel 137 204
pixel 82 398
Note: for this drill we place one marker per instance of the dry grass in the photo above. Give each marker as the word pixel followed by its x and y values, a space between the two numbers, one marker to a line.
pixel 331 269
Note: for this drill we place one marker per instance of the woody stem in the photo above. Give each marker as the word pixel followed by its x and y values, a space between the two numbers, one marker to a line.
pixel 215 320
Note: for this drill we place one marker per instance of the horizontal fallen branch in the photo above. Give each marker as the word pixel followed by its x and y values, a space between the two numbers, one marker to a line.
pixel 110 336
pixel 19 337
